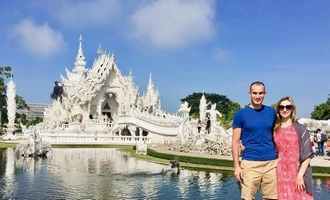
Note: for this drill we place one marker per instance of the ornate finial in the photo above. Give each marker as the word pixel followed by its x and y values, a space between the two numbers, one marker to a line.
pixel 80 63
pixel 150 77
pixel 99 50
pixel 130 75
pixel 150 83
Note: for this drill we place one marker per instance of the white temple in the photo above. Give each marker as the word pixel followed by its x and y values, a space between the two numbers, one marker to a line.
pixel 100 105
pixel 102 101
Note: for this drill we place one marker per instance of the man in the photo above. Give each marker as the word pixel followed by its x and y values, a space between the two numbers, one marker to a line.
pixel 321 139
pixel 208 125
pixel 324 139
pixel 253 126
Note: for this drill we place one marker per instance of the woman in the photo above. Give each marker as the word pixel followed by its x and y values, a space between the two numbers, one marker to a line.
pixel 294 152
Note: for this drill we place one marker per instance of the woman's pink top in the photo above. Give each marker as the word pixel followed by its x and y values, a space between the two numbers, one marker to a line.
pixel 287 145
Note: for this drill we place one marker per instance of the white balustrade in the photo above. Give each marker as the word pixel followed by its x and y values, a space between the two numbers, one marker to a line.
pixel 94 139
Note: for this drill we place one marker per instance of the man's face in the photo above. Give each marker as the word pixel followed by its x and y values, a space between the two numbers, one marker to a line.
pixel 257 94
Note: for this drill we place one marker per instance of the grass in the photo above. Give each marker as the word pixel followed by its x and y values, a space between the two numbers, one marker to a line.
pixel 199 163
pixel 4 145
pixel 186 165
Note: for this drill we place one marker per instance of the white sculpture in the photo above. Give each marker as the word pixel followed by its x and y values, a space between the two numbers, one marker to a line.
pixel 202 109
pixel 214 113
pixel 11 107
pixel 33 147
pixel 184 109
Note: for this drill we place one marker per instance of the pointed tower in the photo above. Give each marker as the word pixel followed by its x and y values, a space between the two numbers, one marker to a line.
pixel 130 75
pixel 151 86
pixel 151 98
pixel 100 51
pixel 202 108
pixel 80 63
pixel 78 73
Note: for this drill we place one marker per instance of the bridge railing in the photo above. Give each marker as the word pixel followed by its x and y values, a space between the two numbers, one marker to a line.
pixel 94 139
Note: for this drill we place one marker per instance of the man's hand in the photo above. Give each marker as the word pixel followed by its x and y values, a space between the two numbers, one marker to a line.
pixel 238 173
pixel 236 149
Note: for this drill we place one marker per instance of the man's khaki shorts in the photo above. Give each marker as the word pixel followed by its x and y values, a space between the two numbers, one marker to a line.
pixel 259 174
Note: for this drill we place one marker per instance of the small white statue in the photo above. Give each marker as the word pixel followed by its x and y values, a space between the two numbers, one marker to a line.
pixel 214 113
pixel 184 109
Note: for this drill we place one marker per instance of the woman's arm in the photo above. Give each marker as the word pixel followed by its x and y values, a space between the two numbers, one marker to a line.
pixel 300 177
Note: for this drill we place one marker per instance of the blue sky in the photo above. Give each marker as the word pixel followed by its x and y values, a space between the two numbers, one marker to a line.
pixel 188 45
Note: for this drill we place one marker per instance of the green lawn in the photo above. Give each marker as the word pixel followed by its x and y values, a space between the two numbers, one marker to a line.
pixel 4 145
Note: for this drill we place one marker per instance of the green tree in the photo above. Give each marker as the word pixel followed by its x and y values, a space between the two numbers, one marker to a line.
pixel 20 103
pixel 322 111
pixel 224 105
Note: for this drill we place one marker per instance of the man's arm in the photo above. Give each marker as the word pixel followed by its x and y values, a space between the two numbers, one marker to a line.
pixel 236 152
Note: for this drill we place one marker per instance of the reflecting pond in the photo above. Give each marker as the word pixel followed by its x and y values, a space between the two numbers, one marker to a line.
pixel 88 173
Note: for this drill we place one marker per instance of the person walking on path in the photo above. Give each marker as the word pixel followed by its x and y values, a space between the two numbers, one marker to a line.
pixel 320 138
pixel 199 126
pixel 294 174
pixel 208 125
pixel 253 126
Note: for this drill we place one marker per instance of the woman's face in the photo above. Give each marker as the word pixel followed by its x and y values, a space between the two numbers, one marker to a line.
pixel 285 109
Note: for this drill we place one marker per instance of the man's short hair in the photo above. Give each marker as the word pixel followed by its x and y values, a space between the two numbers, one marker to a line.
pixel 257 83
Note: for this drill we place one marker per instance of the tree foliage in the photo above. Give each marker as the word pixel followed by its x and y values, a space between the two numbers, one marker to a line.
pixel 224 105
pixel 322 111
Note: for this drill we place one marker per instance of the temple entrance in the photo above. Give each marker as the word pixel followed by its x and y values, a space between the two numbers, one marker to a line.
pixel 106 111
pixel 110 106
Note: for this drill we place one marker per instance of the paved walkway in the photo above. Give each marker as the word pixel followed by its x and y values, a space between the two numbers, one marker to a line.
pixel 321 161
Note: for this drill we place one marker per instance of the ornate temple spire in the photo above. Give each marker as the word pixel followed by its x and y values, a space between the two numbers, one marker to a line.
pixel 99 50
pixel 130 75
pixel 80 63
pixel 202 108
pixel 151 97
pixel 150 83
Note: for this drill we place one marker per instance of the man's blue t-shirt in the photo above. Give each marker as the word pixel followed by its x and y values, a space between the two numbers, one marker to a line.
pixel 257 132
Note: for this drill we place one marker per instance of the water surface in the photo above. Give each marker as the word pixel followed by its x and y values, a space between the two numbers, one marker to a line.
pixel 87 173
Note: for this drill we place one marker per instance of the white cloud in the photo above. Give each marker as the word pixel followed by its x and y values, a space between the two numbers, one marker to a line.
pixel 40 40
pixel 174 23
pixel 86 13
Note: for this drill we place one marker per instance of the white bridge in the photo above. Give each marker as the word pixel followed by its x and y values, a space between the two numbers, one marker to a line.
pixel 127 129
pixel 94 139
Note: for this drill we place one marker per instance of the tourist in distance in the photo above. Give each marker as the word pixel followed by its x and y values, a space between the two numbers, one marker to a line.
pixel 294 174
pixel 208 125
pixel 321 138
pixel 253 125
pixel 199 126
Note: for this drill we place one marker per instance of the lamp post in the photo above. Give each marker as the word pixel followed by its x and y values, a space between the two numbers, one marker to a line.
pixel 5 74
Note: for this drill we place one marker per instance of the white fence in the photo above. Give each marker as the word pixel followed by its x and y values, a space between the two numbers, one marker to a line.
pixel 94 139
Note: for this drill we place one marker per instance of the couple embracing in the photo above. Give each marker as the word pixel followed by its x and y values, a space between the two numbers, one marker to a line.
pixel 276 149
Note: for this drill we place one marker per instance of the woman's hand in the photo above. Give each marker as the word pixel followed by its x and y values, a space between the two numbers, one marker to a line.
pixel 300 185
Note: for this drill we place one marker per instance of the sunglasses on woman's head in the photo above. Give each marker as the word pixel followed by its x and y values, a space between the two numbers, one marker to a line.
pixel 287 107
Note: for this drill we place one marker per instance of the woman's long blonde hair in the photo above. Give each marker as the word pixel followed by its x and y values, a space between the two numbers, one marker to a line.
pixel 278 116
